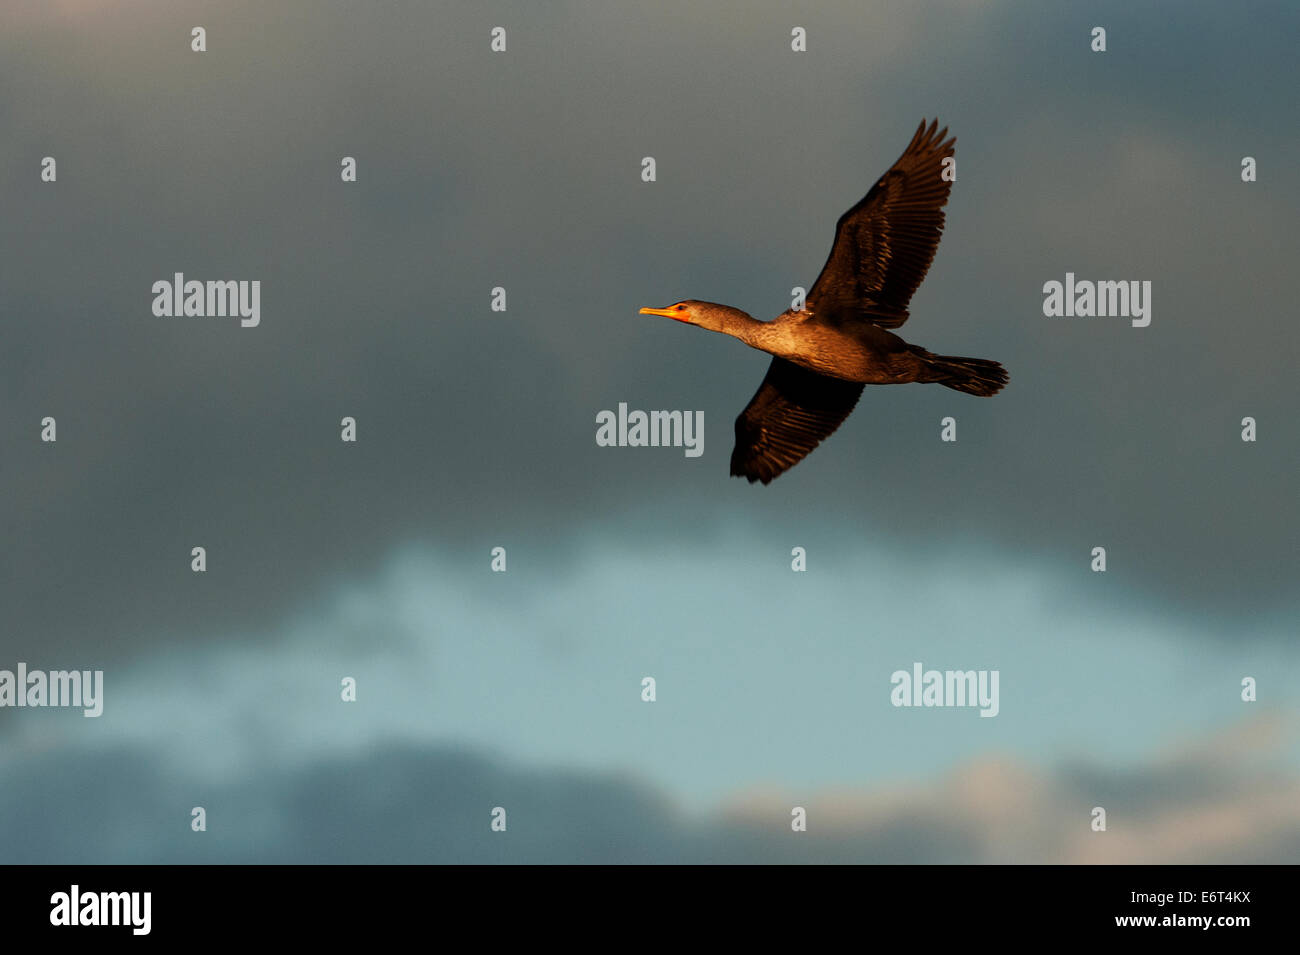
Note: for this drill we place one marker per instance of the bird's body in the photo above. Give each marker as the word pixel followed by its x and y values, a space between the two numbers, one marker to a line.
pixel 824 354
pixel 853 351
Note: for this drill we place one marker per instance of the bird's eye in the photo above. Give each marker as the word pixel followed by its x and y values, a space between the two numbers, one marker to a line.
pixel 681 308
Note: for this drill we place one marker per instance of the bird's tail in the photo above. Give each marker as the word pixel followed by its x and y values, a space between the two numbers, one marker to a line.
pixel 974 376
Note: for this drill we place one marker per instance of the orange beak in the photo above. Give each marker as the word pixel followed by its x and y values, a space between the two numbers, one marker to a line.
pixel 667 313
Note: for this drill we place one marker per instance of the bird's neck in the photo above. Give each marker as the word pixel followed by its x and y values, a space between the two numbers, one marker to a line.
pixel 744 326
pixel 765 336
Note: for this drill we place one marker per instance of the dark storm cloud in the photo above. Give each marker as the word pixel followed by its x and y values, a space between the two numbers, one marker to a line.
pixel 412 804
pixel 396 804
pixel 522 170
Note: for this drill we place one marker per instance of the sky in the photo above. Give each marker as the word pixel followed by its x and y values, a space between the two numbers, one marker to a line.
pixel 476 429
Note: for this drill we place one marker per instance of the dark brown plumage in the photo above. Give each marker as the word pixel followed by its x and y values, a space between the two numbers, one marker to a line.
pixel 789 415
pixel 825 353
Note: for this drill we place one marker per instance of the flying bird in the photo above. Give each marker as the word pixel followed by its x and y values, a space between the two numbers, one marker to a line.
pixel 839 341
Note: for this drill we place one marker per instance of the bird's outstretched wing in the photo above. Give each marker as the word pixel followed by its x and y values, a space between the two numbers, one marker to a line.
pixel 789 415
pixel 884 245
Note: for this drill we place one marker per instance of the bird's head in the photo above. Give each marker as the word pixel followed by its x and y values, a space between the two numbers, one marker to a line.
pixel 709 315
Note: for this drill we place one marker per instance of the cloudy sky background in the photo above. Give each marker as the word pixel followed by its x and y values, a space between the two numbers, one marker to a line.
pixel 477 429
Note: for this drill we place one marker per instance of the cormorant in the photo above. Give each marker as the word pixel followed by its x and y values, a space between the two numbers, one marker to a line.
pixel 839 341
